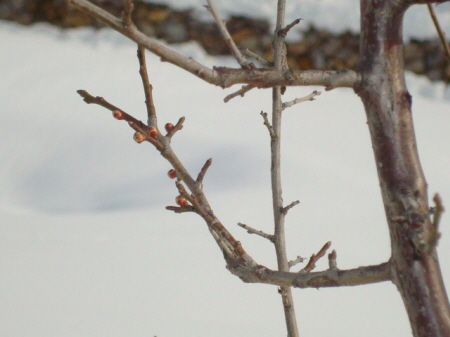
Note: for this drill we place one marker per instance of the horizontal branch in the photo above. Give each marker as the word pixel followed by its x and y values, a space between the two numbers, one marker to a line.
pixel 323 279
pixel 221 76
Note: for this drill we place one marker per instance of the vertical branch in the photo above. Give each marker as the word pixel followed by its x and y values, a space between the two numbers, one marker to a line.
pixel 148 88
pixel 279 55
pixel 414 262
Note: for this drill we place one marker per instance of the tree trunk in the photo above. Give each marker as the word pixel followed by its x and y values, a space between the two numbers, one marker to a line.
pixel 414 262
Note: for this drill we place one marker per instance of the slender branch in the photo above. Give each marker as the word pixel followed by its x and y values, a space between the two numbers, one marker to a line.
pixel 316 257
pixel 439 31
pixel 221 76
pixel 172 130
pixel 286 209
pixel 322 279
pixel 241 92
pixel 128 10
pixel 202 172
pixel 227 37
pixel 267 124
pixel 260 59
pixel 181 209
pixel 251 230
pixel 148 88
pixel 309 97
pixel 280 64
pixel 284 31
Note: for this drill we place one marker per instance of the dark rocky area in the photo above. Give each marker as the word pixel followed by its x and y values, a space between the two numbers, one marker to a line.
pixel 319 49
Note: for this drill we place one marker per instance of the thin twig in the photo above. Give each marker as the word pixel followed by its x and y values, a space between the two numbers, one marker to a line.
pixel 118 113
pixel 148 88
pixel 176 128
pixel 439 31
pixel 286 209
pixel 309 97
pixel 241 92
pixel 202 172
pixel 251 230
pixel 267 124
pixel 223 76
pixel 315 257
pixel 260 59
pixel 283 32
pixel 227 37
pixel 128 10
pixel 298 260
pixel 181 209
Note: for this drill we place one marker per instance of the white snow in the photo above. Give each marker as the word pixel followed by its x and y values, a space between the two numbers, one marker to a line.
pixel 86 247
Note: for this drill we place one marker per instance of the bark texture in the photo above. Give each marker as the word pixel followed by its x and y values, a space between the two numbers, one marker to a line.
pixel 414 263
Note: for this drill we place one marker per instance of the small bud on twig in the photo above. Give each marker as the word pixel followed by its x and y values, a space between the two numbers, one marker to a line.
pixel 138 137
pixel 172 174
pixel 169 127
pixel 181 201
pixel 153 132
pixel 117 114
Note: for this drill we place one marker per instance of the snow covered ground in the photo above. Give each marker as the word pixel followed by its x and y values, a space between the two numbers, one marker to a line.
pixel 86 247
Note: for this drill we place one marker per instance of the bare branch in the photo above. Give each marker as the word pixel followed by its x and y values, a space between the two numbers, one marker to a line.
pixel 309 97
pixel 260 59
pixel 181 209
pixel 267 124
pixel 221 76
pixel 251 230
pixel 286 209
pixel 119 114
pixel 202 173
pixel 439 31
pixel 315 257
pixel 241 92
pixel 148 88
pixel 322 279
pixel 283 32
pixel 128 10
pixel 227 37
pixel 172 129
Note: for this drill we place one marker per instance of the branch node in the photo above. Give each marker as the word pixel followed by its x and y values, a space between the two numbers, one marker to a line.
pixel 267 124
pixel 286 209
pixel 284 31
pixel 172 130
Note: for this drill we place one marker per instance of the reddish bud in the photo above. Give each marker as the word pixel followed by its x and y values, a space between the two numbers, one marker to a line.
pixel 117 114
pixel 153 132
pixel 172 174
pixel 169 127
pixel 181 201
pixel 139 137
